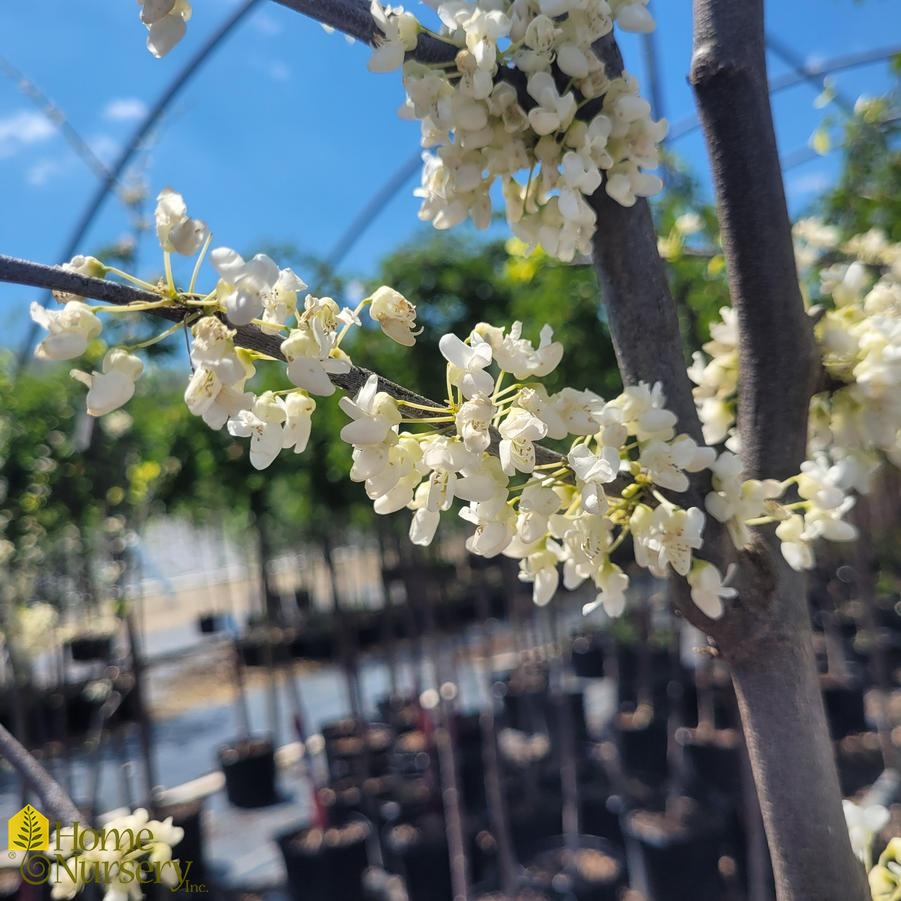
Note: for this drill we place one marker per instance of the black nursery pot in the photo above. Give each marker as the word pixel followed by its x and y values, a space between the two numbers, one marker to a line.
pixel 599 812
pixel 209 623
pixel 674 858
pixel 249 769
pixel 91 647
pixel 844 708
pixel 534 822
pixel 593 872
pixel 713 761
pixel 587 655
pixel 187 815
pixel 413 756
pixel 628 667
pixel 418 852
pixel 327 864
pixel 467 731
pixel 402 714
pixel 641 740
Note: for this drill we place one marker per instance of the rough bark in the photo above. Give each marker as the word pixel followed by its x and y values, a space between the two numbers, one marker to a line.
pixel 778 692
pixel 773 671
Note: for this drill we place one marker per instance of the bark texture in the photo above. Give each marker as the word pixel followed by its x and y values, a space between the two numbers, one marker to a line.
pixel 774 670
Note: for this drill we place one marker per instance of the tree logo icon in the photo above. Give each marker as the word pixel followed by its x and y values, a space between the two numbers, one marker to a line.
pixel 29 830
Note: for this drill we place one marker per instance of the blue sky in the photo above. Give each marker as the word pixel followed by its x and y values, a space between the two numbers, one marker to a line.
pixel 284 134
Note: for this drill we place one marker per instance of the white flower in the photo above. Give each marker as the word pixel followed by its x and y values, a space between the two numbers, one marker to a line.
pixel 263 425
pixel 734 501
pixel 829 524
pixel 299 409
pixel 71 330
pixel 473 422
pixel 578 411
pixel 393 488
pixel 795 543
pixel 819 483
pixel 113 860
pixel 395 314
pixel 708 588
pixel 424 523
pixel 593 471
pixel 494 522
pixel 114 385
pixel 644 414
pixel 666 535
pixel 209 397
pixel 213 346
pixel 482 481
pixel 177 233
pixel 689 223
pixel 537 504
pixel 634 16
pixel 519 430
pixel 665 461
pixel 374 415
pixel 256 288
pixel 517 355
pixel 165 21
pixel 311 358
pixel 553 112
pixel 863 825
pixel 467 364
pixel 399 35
pixel 612 582
pixel 540 568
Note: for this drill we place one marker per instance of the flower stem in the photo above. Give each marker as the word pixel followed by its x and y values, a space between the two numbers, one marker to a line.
pixel 199 263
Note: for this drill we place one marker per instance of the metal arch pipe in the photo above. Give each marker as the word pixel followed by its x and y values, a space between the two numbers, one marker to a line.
pixel 131 147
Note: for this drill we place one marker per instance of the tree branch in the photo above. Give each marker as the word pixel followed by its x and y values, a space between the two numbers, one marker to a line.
pixel 54 801
pixel 776 350
pixel 55 278
pixel 641 312
pixel 774 671
pixel 352 17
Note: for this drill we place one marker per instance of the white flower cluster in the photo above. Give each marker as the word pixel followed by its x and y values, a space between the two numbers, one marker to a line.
pixel 121 856
pixel 551 142
pixel 525 101
pixel 573 511
pixel 858 421
pixel 166 22
pixel 566 513
pixel 716 380
pixel 855 423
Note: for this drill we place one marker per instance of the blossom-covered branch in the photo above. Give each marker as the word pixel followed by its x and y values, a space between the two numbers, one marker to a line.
pixel 508 92
pixel 621 466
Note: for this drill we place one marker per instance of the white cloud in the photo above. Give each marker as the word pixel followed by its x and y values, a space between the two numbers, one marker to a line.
pixel 278 71
pixel 42 171
pixel 266 25
pixel 812 183
pixel 125 109
pixel 21 129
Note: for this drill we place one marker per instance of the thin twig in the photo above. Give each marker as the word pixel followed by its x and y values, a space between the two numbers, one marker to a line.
pixel 54 800
pixel 38 275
